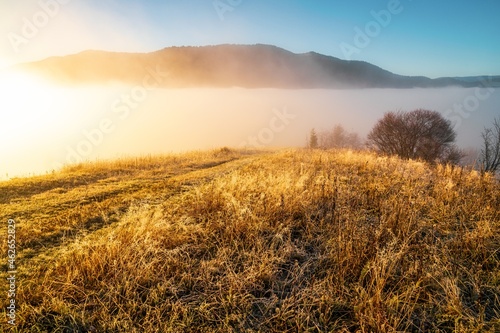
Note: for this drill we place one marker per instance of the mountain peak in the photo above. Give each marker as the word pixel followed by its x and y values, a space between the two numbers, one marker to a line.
pixel 228 65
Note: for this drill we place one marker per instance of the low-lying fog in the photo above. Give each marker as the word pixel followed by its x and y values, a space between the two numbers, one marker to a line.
pixel 45 126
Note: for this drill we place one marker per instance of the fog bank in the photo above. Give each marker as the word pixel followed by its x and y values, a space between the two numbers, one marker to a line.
pixel 46 128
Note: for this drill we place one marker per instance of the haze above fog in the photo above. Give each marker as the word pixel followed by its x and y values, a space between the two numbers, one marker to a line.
pixel 56 125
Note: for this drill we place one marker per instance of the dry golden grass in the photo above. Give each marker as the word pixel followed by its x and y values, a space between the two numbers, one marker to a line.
pixel 293 241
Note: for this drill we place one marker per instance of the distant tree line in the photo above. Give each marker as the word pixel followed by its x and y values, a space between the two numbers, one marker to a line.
pixel 336 137
pixel 420 134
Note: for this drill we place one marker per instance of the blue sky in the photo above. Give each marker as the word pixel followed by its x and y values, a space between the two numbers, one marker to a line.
pixel 419 37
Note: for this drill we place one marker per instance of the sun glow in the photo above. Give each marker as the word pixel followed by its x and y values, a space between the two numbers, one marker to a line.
pixel 27 109
pixel 32 116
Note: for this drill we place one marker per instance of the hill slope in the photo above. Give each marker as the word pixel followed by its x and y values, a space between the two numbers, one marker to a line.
pixel 250 66
pixel 276 242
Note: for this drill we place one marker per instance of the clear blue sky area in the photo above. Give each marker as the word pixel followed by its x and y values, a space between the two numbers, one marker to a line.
pixel 409 37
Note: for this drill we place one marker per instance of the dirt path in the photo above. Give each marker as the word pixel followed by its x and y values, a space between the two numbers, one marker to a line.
pixel 51 213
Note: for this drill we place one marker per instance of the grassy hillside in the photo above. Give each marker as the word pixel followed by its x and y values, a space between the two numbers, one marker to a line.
pixel 225 241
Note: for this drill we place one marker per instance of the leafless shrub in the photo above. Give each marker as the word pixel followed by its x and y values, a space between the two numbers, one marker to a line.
pixel 338 137
pixel 419 134
pixel 490 152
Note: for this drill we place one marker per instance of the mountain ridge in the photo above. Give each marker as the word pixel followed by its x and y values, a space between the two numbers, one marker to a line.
pixel 229 65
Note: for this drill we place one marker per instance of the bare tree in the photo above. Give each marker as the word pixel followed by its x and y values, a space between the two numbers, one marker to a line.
pixel 338 137
pixel 419 134
pixel 490 152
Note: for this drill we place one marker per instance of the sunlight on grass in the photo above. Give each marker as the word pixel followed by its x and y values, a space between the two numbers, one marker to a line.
pixel 224 241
